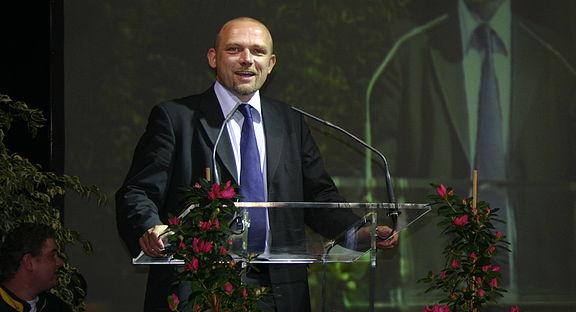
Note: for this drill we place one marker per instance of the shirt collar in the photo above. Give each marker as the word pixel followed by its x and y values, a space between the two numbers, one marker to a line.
pixel 500 23
pixel 228 100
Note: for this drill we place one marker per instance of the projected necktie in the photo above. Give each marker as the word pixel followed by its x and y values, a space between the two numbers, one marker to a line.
pixel 251 181
pixel 490 159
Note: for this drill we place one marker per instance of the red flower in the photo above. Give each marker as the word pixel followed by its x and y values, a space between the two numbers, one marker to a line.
pixel 478 281
pixel 481 292
pixel 473 257
pixel 437 308
pixel 455 264
pixel 498 235
pixel 244 292
pixel 514 309
pixel 182 245
pixel 228 192
pixel 204 226
pixel 460 221
pixel 496 268
pixel 486 268
pixel 491 250
pixel 228 288
pixel 443 274
pixel 174 221
pixel 199 246
pixel 223 251
pixel 173 302
pixel 192 265
pixel 208 246
pixel 441 190
pixel 217 193
pixel 494 283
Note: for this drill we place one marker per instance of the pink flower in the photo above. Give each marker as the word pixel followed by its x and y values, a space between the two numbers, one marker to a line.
pixel 214 192
pixel 204 226
pixel 174 221
pixel 473 257
pixel 481 292
pixel 228 192
pixel 192 265
pixel 197 245
pixel 498 235
pixel 208 246
pixel 441 190
pixel 244 292
pixel 455 264
pixel 182 245
pixel 494 283
pixel 437 308
pixel 223 251
pixel 228 288
pixel 443 274
pixel 217 193
pixel 478 280
pixel 460 221
pixel 173 302
pixel 491 250
pixel 514 309
pixel 197 185
pixel 486 268
pixel 496 268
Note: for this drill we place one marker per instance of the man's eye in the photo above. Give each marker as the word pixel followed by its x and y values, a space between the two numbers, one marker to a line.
pixel 233 49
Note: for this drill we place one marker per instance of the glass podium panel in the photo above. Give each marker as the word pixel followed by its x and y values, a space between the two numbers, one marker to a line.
pixel 326 240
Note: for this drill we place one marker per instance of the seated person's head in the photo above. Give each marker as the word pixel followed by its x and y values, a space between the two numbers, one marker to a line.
pixel 30 258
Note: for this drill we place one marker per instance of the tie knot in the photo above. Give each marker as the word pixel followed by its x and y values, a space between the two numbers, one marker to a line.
pixel 246 110
pixel 486 39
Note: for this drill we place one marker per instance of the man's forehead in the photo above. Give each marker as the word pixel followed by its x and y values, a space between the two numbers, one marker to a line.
pixel 241 30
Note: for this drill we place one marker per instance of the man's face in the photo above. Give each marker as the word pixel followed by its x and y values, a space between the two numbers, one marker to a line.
pixel 45 266
pixel 242 57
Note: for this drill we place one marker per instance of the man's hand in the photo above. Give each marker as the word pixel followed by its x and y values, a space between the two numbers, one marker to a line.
pixel 385 240
pixel 151 243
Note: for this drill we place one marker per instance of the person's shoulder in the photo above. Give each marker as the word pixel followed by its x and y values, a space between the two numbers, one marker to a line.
pixel 190 102
pixel 51 303
pixel 278 107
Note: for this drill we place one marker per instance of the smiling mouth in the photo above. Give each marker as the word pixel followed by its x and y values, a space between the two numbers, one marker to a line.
pixel 245 74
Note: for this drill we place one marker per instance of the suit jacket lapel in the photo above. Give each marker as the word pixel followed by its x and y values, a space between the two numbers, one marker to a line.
pixel 273 131
pixel 446 59
pixel 211 121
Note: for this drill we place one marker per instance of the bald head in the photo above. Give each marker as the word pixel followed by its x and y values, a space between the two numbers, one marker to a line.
pixel 242 20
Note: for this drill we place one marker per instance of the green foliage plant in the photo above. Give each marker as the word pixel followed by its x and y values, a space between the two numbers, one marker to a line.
pixel 29 194
pixel 471 278
pixel 201 238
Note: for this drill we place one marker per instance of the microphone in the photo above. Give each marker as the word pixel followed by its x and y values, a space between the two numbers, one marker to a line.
pixel 224 123
pixel 389 188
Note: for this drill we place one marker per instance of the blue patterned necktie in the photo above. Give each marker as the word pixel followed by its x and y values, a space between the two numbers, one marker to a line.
pixel 490 151
pixel 251 181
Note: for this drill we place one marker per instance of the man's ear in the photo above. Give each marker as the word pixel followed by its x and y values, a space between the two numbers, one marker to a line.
pixel 272 63
pixel 211 56
pixel 27 262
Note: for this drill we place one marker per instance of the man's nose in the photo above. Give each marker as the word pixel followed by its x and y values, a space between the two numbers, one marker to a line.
pixel 246 57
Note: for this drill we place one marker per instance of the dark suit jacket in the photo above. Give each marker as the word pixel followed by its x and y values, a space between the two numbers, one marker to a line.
pixel 419 117
pixel 174 152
